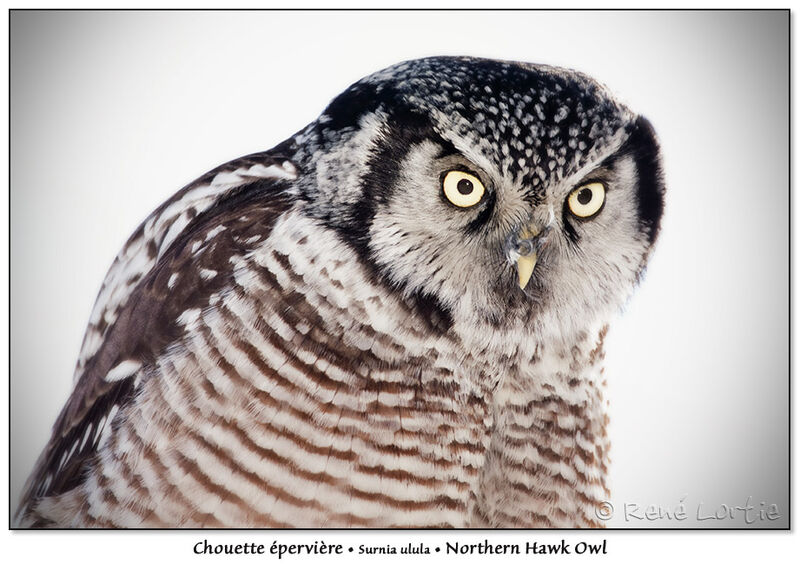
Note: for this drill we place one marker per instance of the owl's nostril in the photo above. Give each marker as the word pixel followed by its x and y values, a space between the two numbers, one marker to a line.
pixel 526 241
pixel 516 247
pixel 526 247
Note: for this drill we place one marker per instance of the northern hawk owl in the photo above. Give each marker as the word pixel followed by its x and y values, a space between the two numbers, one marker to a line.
pixel 393 318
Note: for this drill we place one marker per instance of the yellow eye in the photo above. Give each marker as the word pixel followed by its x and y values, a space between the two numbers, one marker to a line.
pixel 587 200
pixel 462 189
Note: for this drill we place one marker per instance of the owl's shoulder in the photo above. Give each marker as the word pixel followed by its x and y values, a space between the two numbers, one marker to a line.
pixel 193 209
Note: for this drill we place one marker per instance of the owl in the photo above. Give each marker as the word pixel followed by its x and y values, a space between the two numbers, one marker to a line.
pixel 394 318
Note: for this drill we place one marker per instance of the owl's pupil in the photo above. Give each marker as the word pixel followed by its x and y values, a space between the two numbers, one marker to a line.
pixel 464 186
pixel 585 196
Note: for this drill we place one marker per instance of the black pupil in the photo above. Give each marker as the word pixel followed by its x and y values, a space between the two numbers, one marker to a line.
pixel 585 196
pixel 464 186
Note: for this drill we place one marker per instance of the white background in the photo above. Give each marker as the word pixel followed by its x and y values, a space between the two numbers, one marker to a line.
pixel 115 112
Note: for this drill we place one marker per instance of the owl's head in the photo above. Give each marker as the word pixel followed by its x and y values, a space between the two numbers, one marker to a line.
pixel 493 193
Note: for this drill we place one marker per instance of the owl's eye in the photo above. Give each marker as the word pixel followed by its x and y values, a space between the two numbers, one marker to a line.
pixel 587 200
pixel 462 189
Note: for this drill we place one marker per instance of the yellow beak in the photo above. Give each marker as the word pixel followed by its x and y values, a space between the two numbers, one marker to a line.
pixel 525 267
pixel 526 263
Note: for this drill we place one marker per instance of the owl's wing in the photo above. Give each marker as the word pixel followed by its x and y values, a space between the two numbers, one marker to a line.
pixel 176 259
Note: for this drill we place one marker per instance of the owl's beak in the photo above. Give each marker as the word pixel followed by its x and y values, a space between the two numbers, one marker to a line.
pixel 524 246
pixel 529 253
pixel 525 266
